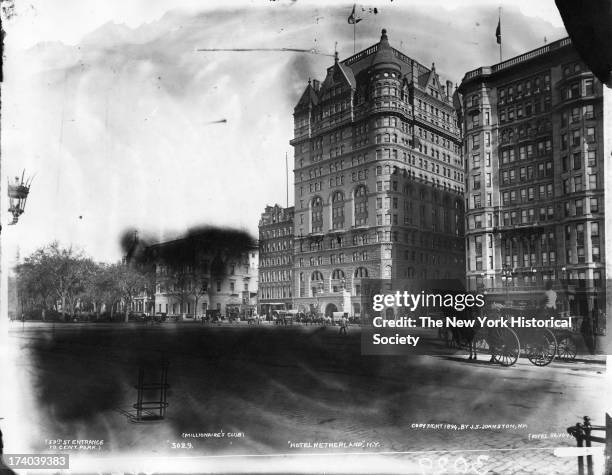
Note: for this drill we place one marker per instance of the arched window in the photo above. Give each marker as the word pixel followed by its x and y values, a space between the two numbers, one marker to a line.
pixel 361 206
pixel 338 210
pixel 316 283
pixel 317 214
pixel 338 274
pixel 361 273
pixel 316 276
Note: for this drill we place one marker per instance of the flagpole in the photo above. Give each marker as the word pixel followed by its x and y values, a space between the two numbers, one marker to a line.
pixel 354 34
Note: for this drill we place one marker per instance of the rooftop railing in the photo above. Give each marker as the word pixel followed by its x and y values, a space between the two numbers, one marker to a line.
pixel 518 59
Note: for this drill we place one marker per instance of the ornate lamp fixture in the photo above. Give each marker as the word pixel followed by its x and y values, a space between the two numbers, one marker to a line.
pixel 18 194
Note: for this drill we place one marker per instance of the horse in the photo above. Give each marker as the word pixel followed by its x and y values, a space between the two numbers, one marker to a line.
pixel 466 337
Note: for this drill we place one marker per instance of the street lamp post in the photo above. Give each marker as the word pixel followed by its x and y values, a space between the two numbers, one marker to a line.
pixel 565 289
pixel 506 275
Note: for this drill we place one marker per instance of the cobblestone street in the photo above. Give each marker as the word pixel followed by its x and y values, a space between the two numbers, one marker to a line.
pixel 287 388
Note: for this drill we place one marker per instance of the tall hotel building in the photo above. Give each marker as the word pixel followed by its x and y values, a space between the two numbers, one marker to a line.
pixel 275 258
pixel 378 179
pixel 534 147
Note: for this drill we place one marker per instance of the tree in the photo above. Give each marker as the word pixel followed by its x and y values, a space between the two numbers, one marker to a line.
pixel 54 274
pixel 198 289
pixel 180 284
pixel 99 289
pixel 35 289
pixel 128 282
pixel 57 273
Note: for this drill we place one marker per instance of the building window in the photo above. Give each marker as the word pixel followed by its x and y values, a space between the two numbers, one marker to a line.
pixel 317 214
pixel 361 206
pixel 476 182
pixel 338 210
pixel 590 134
pixel 476 160
pixel 578 204
pixel 475 142
pixel 578 183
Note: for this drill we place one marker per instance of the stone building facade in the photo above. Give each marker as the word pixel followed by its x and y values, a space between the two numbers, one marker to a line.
pixel 275 258
pixel 192 278
pixel 378 179
pixel 534 150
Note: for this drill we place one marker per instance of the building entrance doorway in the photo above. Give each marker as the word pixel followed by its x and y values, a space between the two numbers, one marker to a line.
pixel 330 309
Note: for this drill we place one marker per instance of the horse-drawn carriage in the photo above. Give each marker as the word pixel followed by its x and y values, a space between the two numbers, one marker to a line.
pixel 504 344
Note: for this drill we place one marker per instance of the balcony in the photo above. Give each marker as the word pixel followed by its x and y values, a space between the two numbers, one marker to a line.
pixel 527 229
pixel 393 104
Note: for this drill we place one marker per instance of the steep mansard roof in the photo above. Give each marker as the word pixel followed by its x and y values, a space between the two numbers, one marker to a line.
pixel 309 96
pixel 382 54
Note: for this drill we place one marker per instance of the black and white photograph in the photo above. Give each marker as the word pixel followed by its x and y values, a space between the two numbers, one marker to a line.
pixel 295 237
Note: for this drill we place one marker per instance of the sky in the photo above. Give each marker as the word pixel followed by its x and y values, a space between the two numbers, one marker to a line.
pixel 114 110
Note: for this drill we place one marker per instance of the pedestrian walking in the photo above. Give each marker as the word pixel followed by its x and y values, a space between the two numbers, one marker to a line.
pixel 343 324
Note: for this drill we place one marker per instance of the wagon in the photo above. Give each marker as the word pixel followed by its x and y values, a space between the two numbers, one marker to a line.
pixel 567 339
pixel 539 345
pixel 506 344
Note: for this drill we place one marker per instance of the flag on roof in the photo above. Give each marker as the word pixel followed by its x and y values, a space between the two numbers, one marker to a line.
pixel 498 32
pixel 352 19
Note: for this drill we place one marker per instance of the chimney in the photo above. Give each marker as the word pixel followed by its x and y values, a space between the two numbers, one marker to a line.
pixel 415 72
pixel 449 89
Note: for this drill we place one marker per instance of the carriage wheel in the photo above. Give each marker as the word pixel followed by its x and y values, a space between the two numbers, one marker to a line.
pixel 504 346
pixel 567 348
pixel 542 348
